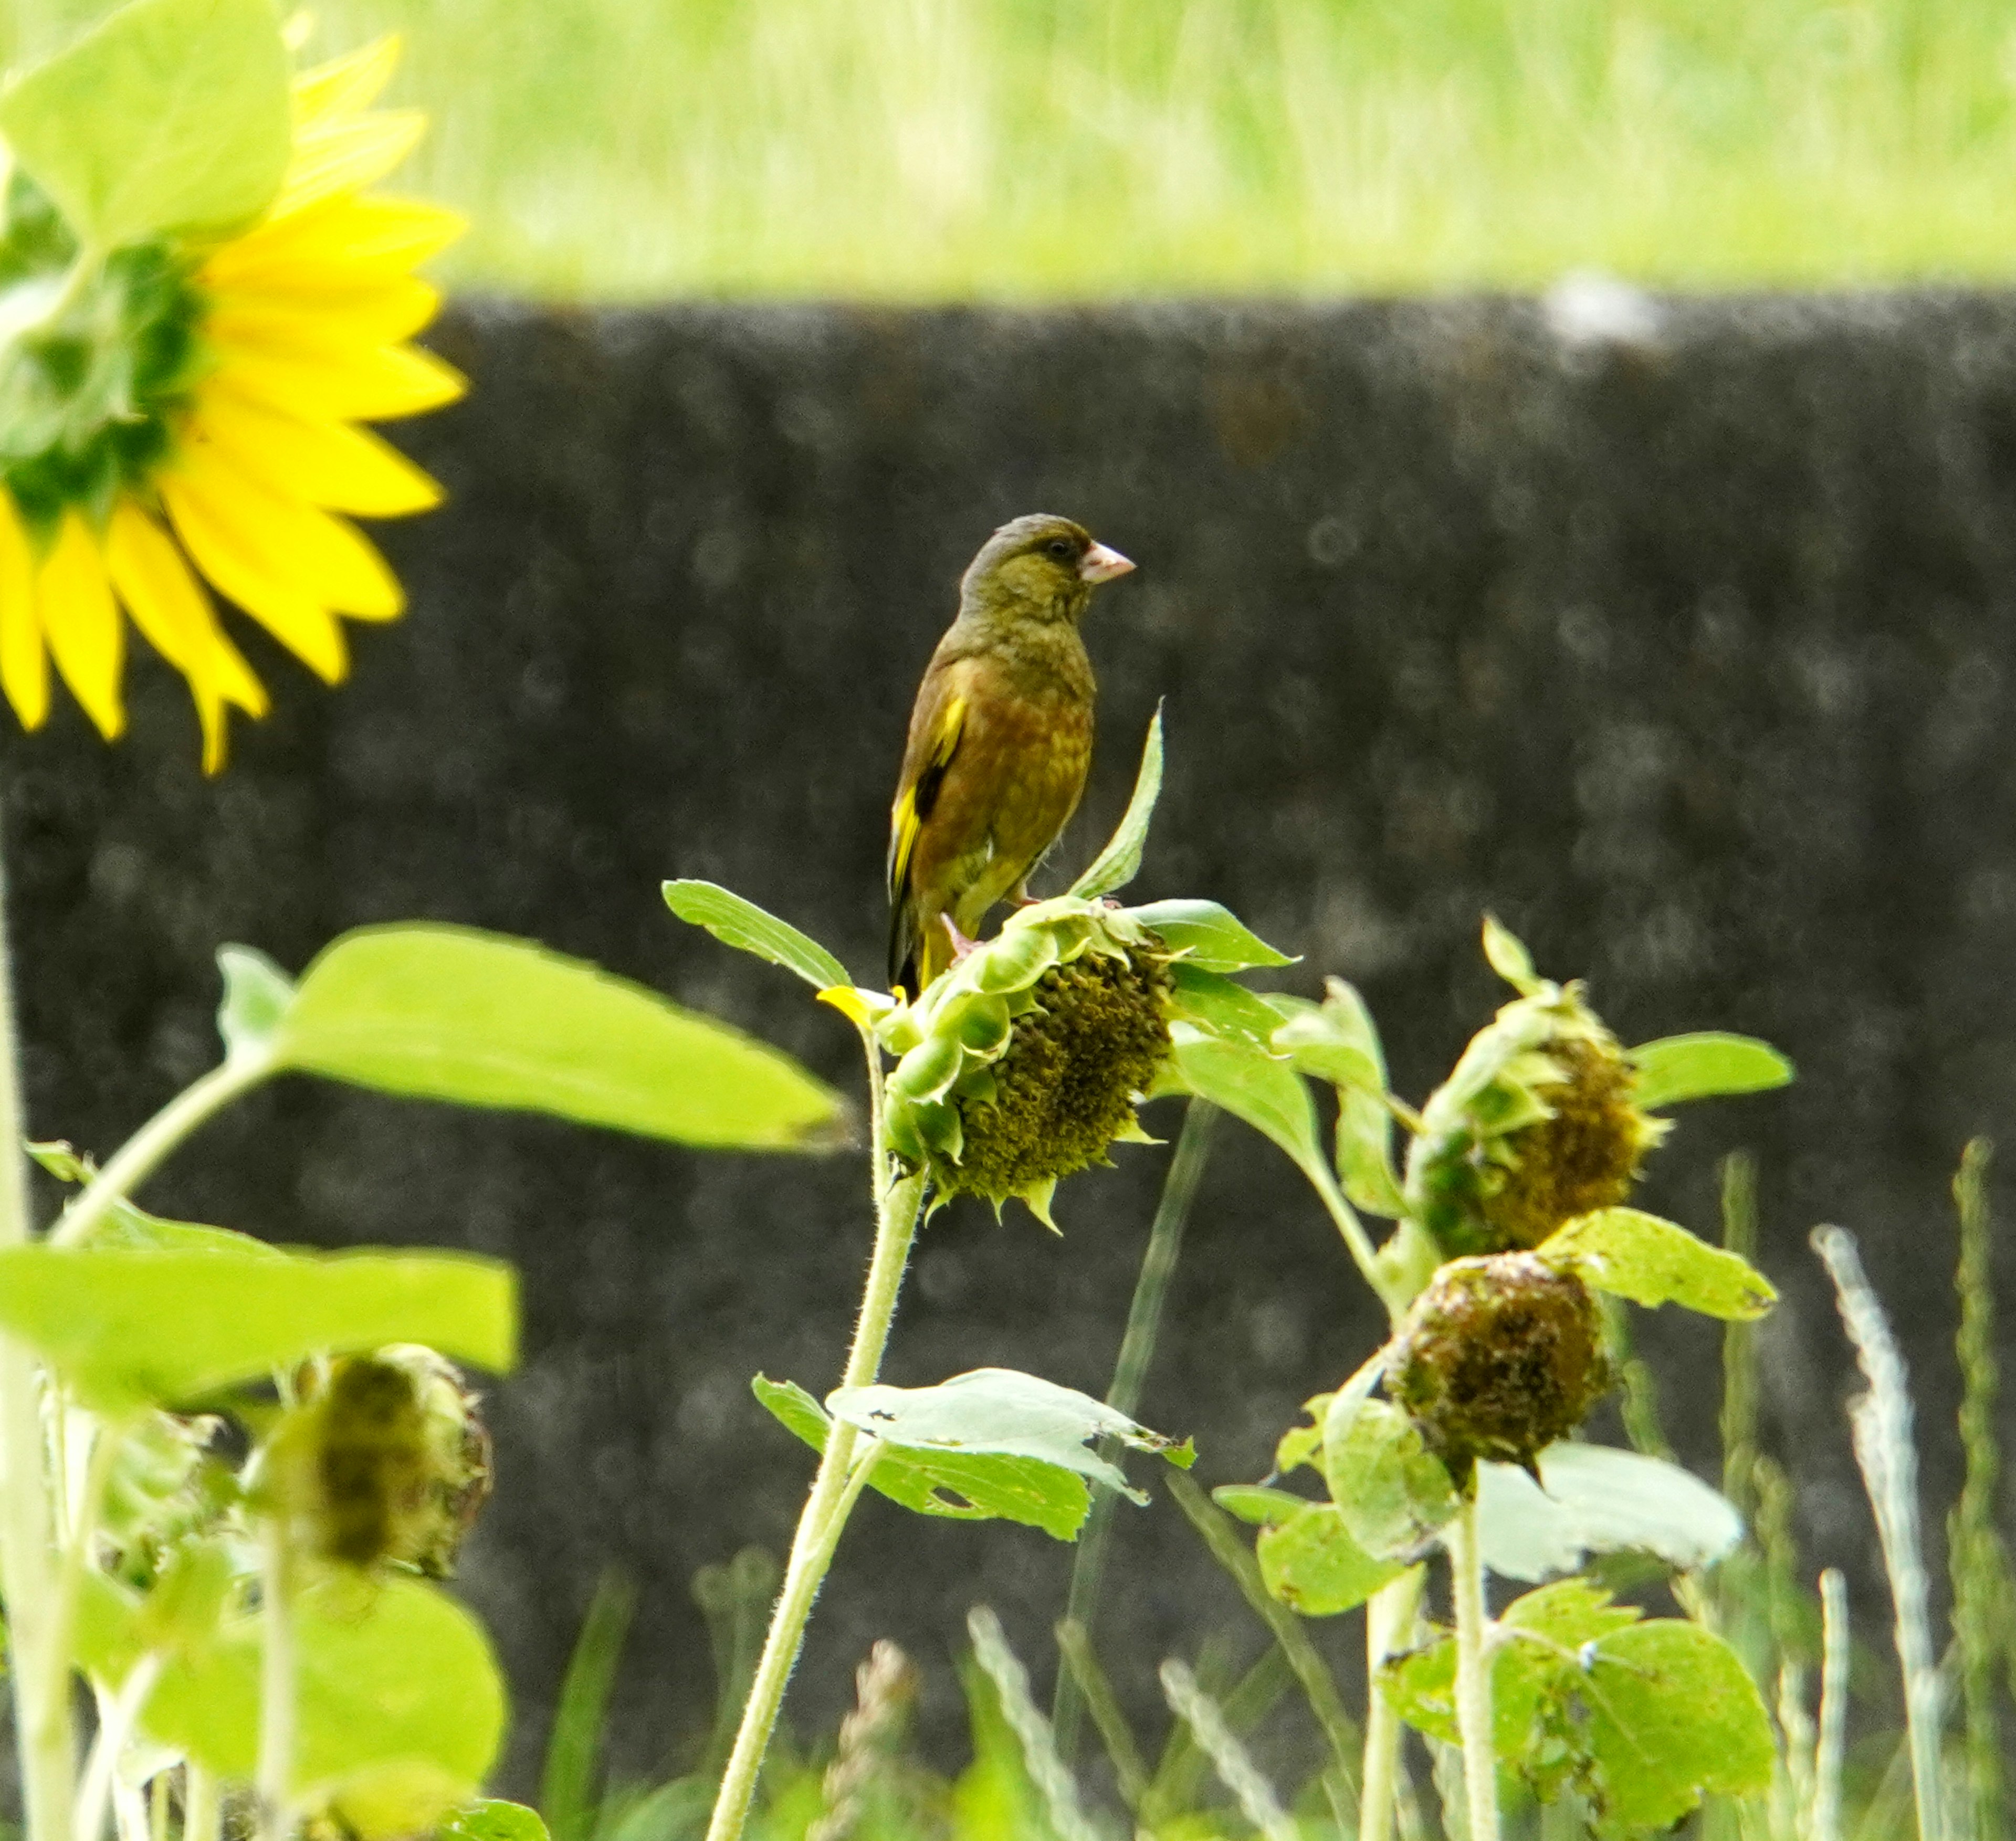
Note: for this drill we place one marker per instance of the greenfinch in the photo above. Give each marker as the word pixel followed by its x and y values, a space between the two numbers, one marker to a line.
pixel 1000 740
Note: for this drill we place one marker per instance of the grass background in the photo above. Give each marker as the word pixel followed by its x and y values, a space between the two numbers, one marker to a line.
pixel 1044 149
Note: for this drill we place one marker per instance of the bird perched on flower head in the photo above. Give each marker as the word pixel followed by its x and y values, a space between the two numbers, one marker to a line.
pixel 1000 739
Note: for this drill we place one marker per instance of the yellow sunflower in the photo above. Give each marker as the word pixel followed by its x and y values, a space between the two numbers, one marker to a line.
pixel 191 414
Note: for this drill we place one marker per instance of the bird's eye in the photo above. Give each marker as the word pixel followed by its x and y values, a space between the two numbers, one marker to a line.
pixel 1060 548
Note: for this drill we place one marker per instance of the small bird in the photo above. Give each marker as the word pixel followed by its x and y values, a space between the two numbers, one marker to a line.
pixel 1000 739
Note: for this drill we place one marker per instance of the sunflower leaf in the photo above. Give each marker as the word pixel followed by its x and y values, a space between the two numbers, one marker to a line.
pixel 171 115
pixel 1679 1068
pixel 1631 1254
pixel 1113 867
pixel 1210 937
pixel 441 1012
pixel 740 923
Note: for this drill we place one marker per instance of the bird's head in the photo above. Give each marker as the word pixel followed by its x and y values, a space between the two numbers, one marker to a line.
pixel 1040 567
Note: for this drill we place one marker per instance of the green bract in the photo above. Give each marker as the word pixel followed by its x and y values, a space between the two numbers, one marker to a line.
pixel 1022 1064
pixel 1538 1123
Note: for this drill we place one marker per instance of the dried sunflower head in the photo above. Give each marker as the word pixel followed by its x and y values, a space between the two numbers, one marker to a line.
pixel 1538 1122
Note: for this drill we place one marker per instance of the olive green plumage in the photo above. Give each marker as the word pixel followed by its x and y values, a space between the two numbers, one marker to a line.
pixel 1000 740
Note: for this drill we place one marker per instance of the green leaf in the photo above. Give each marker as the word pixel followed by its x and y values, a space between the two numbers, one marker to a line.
pixel 1004 1412
pixel 123 1224
pixel 743 925
pixel 1218 1007
pixel 1672 1715
pixel 257 995
pixel 1113 867
pixel 1210 937
pixel 1506 955
pixel 440 1012
pixel 172 115
pixel 1258 1504
pixel 1594 1498
pixel 489 1820
pixel 1336 1041
pixel 959 1485
pixel 1391 1491
pixel 1303 1444
pixel 1310 1563
pixel 1678 1068
pixel 1631 1254
pixel 401 1706
pixel 1263 1089
pixel 127 1328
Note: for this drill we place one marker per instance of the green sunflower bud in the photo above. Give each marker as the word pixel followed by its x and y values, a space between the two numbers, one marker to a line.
pixel 1023 1063
pixel 1539 1123
pixel 1497 1359
pixel 389 1461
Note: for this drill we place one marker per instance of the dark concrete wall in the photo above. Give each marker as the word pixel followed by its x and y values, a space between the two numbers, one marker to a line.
pixel 1693 661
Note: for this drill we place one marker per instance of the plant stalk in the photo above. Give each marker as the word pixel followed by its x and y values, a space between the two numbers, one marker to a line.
pixel 839 1482
pixel 1357 1242
pixel 39 1663
pixel 1389 1623
pixel 143 1153
pixel 1130 1378
pixel 118 1714
pixel 277 1684
pixel 1473 1674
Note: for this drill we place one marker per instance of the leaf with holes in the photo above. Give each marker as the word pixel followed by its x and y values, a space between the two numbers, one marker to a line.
pixel 1631 1254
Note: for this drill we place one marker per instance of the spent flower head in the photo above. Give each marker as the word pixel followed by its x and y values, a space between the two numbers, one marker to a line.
pixel 179 406
pixel 1538 1122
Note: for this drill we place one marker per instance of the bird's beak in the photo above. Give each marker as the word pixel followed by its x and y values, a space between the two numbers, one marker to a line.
pixel 1100 564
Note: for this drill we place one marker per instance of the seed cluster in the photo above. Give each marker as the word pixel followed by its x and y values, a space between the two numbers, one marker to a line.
pixel 1500 1356
pixel 1065 1087
pixel 1585 1157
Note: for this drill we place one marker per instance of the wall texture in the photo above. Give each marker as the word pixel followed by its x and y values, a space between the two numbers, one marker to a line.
pixel 1691 655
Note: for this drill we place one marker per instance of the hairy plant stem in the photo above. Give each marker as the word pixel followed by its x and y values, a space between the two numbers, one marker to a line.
pixel 1357 1242
pixel 839 1482
pixel 1389 1624
pixel 39 1657
pixel 1473 1674
pixel 143 1153
pixel 1130 1378
pixel 277 1683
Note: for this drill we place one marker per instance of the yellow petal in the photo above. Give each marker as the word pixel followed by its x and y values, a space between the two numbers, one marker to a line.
pixel 368 386
pixel 74 601
pixel 169 606
pixel 327 463
pixel 345 156
pixel 352 237
pixel 223 535
pixel 24 666
pixel 321 556
pixel 346 84
pixel 316 317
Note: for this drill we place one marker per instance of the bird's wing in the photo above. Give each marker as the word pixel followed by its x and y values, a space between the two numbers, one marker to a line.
pixel 934 741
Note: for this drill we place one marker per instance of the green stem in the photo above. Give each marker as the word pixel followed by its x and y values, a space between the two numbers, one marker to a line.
pixel 141 1154
pixel 40 1660
pixel 202 1812
pixel 1473 1674
pixel 118 1714
pixel 1357 1242
pixel 276 1684
pixel 1389 1624
pixel 76 1556
pixel 1130 1378
pixel 897 1206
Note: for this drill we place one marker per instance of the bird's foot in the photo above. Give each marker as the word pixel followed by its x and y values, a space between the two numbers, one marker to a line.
pixel 961 946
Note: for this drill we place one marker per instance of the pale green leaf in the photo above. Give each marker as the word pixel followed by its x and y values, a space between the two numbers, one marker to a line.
pixel 1594 1498
pixel 1254 1085
pixel 1210 937
pixel 1336 1041
pixel 1631 1254
pixel 401 1709
pixel 1678 1068
pixel 1310 1562
pixel 1506 955
pixel 961 1485
pixel 740 923
pixel 1669 1715
pixel 257 997
pixel 1003 1411
pixel 170 115
pixel 122 1224
pixel 1218 1007
pixel 441 1012
pixel 489 1820
pixel 1114 867
pixel 1257 1503
pixel 1391 1491
pixel 129 1327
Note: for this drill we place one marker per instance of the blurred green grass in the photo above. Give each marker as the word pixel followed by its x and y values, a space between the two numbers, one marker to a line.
pixel 928 149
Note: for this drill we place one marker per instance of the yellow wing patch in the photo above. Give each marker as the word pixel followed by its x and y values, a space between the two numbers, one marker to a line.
pixel 914 802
